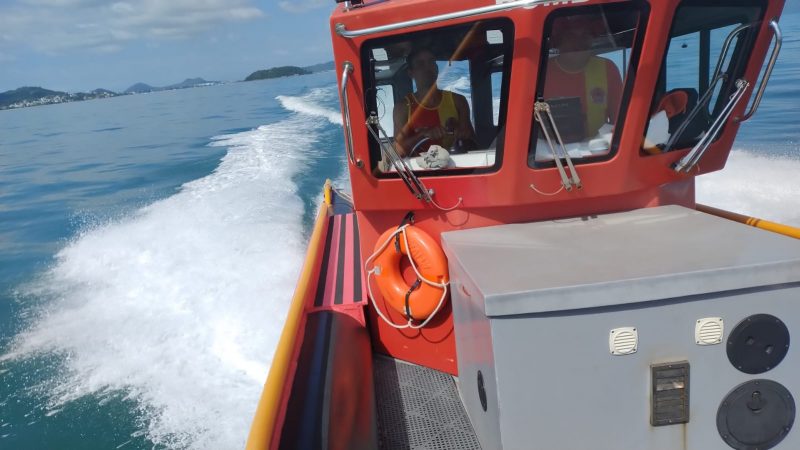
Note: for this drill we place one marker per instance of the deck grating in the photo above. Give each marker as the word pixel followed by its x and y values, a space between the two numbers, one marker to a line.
pixel 419 408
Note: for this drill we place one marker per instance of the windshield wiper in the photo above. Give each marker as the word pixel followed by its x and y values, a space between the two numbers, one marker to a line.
pixel 567 182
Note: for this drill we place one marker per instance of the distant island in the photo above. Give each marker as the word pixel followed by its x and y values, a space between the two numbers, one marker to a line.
pixel 35 96
pixel 287 71
pixel 142 88
pixel 276 72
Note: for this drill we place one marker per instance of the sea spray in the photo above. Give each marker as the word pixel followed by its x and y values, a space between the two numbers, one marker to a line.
pixel 760 185
pixel 180 304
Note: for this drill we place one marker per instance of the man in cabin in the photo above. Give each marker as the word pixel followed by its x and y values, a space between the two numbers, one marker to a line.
pixel 576 72
pixel 430 114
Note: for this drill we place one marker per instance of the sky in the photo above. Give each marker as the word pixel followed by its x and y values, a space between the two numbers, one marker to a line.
pixel 81 45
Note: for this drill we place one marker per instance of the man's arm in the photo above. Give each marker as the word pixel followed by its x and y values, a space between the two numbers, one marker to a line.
pixel 614 89
pixel 400 115
pixel 465 129
pixel 405 137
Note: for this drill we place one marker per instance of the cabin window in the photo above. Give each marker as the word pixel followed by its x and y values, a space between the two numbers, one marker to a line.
pixel 585 70
pixel 691 92
pixel 439 97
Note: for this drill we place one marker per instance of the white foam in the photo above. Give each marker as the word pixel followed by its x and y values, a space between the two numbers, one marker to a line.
pixel 310 105
pixel 460 84
pixel 180 304
pixel 767 187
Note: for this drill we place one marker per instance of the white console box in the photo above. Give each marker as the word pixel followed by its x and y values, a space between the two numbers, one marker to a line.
pixel 534 305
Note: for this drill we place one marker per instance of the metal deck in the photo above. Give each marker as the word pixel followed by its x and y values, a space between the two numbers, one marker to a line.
pixel 419 408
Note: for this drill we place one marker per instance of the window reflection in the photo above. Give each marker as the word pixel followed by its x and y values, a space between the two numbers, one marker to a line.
pixel 588 54
pixel 440 95
pixel 690 94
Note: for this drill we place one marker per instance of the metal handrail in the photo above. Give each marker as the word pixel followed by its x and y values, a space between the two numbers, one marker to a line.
pixel 347 69
pixel 697 108
pixel 726 46
pixel 687 163
pixel 341 30
pixel 772 59
pixel 718 76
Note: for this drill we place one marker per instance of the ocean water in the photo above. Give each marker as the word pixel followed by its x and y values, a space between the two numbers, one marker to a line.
pixel 149 246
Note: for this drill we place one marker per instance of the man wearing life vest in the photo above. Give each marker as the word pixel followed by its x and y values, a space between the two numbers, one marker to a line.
pixel 576 72
pixel 430 114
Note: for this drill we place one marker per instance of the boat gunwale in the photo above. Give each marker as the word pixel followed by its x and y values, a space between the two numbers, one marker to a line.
pixel 274 394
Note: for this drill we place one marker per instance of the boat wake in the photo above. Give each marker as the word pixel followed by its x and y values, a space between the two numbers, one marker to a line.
pixel 310 105
pixel 759 185
pixel 180 304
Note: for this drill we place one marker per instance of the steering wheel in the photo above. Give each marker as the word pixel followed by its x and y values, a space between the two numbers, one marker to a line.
pixel 466 145
pixel 463 146
pixel 418 145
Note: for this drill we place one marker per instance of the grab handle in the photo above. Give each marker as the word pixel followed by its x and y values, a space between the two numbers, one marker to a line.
pixel 347 69
pixel 774 57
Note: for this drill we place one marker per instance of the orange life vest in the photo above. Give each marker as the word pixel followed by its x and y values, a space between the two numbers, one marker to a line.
pixel 444 115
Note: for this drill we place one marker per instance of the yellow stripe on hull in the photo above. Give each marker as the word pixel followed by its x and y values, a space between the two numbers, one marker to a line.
pixel 263 428
pixel 775 227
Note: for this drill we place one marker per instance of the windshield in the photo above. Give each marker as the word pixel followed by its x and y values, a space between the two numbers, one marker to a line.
pixel 697 75
pixel 439 97
pixel 582 77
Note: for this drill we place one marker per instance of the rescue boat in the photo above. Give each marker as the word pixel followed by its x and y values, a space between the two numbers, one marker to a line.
pixel 520 262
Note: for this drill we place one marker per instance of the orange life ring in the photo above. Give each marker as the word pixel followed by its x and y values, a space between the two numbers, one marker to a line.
pixel 422 299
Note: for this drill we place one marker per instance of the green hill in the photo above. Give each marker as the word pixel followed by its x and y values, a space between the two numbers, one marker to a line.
pixel 276 72
pixel 27 93
pixel 321 67
pixel 35 96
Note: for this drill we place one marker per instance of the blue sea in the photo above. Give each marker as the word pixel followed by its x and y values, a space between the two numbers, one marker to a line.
pixel 149 246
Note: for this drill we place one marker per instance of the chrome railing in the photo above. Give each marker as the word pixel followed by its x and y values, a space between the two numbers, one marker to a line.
pixel 772 59
pixel 688 162
pixel 727 45
pixel 697 108
pixel 347 69
pixel 341 30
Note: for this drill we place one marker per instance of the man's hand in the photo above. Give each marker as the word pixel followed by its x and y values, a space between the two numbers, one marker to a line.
pixel 463 132
pixel 432 132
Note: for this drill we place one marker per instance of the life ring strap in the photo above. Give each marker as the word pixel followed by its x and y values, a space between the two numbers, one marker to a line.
pixel 378 269
pixel 408 295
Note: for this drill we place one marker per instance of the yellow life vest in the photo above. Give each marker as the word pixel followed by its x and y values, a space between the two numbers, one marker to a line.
pixel 426 117
pixel 596 82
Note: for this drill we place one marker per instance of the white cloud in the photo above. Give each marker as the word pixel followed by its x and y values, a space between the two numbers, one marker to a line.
pixel 52 26
pixel 63 3
pixel 301 6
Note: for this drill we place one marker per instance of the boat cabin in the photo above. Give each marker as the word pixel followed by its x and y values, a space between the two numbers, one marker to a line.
pixel 570 108
pixel 521 263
